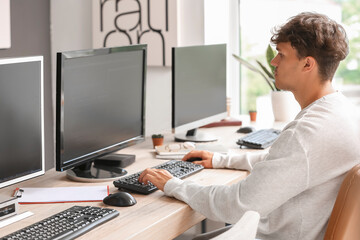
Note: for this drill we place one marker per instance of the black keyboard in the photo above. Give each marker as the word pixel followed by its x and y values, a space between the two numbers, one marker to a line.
pixel 260 139
pixel 177 168
pixel 68 224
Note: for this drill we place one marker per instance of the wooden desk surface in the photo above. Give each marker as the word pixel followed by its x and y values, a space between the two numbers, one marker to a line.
pixel 155 216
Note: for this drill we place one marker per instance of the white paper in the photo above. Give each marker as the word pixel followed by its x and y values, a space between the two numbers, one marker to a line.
pixel 63 194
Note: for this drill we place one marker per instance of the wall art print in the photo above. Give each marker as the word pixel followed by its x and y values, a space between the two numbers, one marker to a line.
pixel 128 22
pixel 5 29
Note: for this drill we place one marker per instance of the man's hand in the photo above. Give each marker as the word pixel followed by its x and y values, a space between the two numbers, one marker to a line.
pixel 158 177
pixel 204 155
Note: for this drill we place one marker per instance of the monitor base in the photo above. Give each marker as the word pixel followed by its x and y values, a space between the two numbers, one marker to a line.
pixel 107 168
pixel 115 160
pixel 198 137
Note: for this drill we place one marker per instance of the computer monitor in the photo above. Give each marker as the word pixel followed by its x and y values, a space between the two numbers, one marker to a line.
pixel 22 119
pixel 198 90
pixel 100 108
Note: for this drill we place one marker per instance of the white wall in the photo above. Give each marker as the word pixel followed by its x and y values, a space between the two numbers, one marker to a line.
pixel 221 25
pixel 71 30
pixel 158 100
pixel 190 22
pixel 70 26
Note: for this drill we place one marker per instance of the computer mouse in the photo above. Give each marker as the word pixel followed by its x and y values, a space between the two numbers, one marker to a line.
pixel 120 199
pixel 247 129
pixel 194 159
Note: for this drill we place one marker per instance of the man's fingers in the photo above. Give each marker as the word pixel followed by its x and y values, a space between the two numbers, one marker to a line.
pixel 158 177
pixel 150 174
pixel 198 162
pixel 144 173
pixel 147 179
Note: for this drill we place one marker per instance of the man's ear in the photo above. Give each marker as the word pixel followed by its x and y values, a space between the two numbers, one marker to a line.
pixel 309 63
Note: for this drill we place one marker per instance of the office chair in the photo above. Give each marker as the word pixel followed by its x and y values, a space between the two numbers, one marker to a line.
pixel 244 229
pixel 345 217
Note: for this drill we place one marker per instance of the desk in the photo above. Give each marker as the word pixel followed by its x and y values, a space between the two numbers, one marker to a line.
pixel 155 216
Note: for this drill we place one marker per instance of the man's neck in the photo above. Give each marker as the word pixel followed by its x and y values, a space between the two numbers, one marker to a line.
pixel 307 96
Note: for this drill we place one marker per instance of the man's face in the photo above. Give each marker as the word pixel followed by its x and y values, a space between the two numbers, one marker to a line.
pixel 287 67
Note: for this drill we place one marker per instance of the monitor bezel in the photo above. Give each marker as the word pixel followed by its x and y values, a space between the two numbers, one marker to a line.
pixel 197 123
pixel 42 169
pixel 63 56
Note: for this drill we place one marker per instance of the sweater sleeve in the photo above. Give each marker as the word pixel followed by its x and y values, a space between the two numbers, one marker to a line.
pixel 244 161
pixel 281 176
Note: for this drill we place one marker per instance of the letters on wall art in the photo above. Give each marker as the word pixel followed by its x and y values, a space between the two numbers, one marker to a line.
pixel 128 22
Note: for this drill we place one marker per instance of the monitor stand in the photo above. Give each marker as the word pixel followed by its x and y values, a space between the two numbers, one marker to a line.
pixel 193 136
pixel 107 168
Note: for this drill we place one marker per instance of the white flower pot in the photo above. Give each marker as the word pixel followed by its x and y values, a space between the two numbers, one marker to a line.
pixel 284 106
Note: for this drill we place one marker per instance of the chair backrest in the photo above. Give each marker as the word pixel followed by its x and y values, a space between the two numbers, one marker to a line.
pixel 244 229
pixel 344 222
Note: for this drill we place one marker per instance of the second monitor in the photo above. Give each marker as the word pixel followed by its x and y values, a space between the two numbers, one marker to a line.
pixel 198 90
pixel 100 109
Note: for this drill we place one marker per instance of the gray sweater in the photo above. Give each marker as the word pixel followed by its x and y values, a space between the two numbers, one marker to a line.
pixel 295 185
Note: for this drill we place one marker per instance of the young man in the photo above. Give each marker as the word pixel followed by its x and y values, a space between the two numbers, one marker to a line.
pixel 295 185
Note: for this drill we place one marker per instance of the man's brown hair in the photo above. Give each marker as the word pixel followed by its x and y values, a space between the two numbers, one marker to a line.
pixel 318 36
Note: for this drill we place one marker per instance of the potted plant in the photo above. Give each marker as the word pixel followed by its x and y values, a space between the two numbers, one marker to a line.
pixel 252 114
pixel 252 111
pixel 157 139
pixel 284 105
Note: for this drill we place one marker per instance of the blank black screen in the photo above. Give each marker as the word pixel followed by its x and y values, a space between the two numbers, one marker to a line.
pixel 199 83
pixel 102 102
pixel 20 119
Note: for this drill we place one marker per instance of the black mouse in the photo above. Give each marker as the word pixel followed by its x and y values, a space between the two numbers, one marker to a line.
pixel 246 129
pixel 120 199
pixel 194 159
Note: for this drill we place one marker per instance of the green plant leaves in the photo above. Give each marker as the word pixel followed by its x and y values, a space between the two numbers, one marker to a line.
pixel 270 54
pixel 268 80
pixel 270 75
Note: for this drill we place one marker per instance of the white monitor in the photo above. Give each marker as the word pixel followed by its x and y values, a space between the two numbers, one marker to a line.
pixel 198 90
pixel 22 119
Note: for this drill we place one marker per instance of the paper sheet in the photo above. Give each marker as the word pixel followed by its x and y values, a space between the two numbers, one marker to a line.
pixel 63 194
